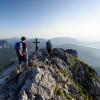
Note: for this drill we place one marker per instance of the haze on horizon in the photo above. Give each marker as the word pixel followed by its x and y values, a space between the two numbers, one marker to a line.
pixel 78 19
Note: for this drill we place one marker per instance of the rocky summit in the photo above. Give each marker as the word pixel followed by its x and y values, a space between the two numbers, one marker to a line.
pixel 62 76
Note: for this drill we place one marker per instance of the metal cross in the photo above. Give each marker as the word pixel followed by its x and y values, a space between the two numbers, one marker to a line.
pixel 36 44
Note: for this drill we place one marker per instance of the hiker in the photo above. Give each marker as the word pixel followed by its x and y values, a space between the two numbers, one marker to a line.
pixel 49 47
pixel 22 52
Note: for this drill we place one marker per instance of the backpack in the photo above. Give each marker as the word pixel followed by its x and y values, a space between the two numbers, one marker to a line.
pixel 18 46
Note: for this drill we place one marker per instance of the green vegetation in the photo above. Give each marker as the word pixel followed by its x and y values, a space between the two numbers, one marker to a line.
pixel 88 73
pixel 60 92
pixel 91 74
pixel 83 92
pixel 76 58
pixel 64 72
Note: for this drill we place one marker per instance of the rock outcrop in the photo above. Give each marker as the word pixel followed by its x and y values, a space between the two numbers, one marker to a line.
pixel 63 76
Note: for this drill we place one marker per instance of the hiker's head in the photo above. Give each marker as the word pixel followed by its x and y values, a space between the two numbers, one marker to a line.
pixel 23 38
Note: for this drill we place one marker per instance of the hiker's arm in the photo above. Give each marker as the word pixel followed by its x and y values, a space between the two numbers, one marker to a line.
pixel 20 51
pixel 26 50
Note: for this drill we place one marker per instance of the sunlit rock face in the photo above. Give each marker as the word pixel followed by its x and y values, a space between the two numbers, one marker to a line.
pixel 62 76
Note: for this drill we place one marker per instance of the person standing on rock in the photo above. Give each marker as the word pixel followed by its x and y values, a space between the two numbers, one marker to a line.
pixel 49 47
pixel 22 51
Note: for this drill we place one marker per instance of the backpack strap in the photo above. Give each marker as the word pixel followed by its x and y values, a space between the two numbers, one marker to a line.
pixel 24 46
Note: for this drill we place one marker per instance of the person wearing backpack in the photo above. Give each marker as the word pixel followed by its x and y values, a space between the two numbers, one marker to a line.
pixel 22 51
pixel 49 47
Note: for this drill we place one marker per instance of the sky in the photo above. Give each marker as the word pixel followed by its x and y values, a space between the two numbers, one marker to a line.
pixel 78 19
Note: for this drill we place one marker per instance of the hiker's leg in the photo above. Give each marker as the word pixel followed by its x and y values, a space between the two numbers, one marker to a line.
pixel 19 60
pixel 49 53
pixel 26 61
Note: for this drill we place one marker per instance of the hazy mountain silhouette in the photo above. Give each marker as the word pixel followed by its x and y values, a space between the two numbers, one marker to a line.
pixel 64 40
pixel 92 44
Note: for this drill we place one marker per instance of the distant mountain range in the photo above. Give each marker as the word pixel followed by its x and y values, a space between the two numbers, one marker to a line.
pixel 4 44
pixel 67 40
pixel 87 51
pixel 93 44
pixel 64 40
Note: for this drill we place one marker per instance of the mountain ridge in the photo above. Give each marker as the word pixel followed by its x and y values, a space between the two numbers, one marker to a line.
pixel 63 76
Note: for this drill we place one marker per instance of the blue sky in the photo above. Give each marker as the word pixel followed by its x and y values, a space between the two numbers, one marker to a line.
pixel 50 18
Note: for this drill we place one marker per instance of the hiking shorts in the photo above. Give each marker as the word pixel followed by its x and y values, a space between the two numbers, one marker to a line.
pixel 22 59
